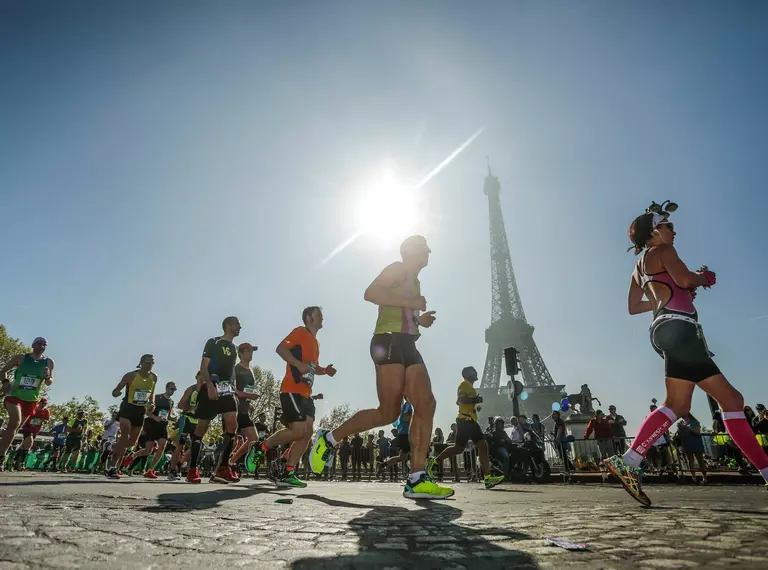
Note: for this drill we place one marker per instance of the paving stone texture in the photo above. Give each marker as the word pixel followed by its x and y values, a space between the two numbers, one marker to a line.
pixel 86 521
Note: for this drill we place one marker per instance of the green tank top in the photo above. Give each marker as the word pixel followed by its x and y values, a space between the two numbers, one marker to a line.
pixel 190 414
pixel 28 379
pixel 398 319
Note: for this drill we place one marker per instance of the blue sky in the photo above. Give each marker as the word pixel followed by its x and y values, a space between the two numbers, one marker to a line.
pixel 163 165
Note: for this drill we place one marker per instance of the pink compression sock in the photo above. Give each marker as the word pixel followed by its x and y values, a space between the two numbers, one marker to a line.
pixel 743 436
pixel 653 427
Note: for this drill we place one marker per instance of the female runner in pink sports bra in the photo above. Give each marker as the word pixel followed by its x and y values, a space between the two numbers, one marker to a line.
pixel 670 288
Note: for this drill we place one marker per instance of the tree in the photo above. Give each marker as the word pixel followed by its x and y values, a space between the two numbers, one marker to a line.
pixel 269 391
pixel 69 409
pixel 215 431
pixel 337 416
pixel 10 346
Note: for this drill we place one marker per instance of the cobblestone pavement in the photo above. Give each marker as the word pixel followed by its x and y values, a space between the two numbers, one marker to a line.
pixel 85 521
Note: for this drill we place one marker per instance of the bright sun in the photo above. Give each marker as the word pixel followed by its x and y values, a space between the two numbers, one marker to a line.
pixel 389 210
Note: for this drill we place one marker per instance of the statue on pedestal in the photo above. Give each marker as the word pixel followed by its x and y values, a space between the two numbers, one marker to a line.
pixel 584 400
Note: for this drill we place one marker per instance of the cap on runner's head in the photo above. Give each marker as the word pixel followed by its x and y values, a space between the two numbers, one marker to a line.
pixel 469 372
pixel 414 244
pixel 80 412
pixel 760 407
pixel 246 346
pixel 40 340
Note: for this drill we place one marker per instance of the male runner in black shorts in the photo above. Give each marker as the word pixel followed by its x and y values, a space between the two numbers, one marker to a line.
pixel 156 426
pixel 186 427
pixel 216 395
pixel 468 399
pixel 400 370
pixel 245 386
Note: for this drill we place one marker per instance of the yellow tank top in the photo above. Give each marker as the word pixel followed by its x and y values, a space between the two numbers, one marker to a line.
pixel 467 411
pixel 140 389
pixel 398 319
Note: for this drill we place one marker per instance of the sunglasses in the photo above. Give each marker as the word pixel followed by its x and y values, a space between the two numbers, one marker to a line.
pixel 669 225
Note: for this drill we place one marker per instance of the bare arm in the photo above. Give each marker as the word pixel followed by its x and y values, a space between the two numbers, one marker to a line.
pixel 381 293
pixel 635 303
pixel 122 384
pixel 10 365
pixel 204 376
pixel 285 354
pixel 184 402
pixel 681 275
pixel 49 380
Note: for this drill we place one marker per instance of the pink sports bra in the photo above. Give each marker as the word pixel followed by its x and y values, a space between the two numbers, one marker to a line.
pixel 680 300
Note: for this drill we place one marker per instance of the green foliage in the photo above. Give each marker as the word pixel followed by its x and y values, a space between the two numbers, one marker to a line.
pixel 337 416
pixel 69 409
pixel 269 390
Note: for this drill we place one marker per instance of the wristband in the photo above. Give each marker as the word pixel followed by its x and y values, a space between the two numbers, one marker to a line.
pixel 709 276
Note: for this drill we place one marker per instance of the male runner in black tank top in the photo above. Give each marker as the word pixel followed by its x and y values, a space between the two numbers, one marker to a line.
pixel 156 425
pixel 216 395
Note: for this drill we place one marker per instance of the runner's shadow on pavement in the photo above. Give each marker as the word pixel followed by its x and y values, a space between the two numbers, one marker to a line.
pixel 427 538
pixel 203 500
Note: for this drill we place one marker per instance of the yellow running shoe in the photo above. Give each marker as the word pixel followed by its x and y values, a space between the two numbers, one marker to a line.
pixel 491 481
pixel 321 452
pixel 629 477
pixel 426 488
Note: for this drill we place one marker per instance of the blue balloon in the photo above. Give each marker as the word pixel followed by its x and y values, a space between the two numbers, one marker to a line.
pixel 523 395
pixel 555 406
pixel 564 401
pixel 565 407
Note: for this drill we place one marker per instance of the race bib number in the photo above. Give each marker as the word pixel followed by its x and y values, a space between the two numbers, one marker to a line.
pixel 224 388
pixel 35 421
pixel 309 377
pixel 29 382
pixel 162 414
pixel 249 389
pixel 141 396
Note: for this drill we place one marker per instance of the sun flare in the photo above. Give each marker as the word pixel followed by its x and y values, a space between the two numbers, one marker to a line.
pixel 389 210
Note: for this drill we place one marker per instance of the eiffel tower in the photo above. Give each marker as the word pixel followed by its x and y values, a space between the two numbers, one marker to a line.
pixel 509 327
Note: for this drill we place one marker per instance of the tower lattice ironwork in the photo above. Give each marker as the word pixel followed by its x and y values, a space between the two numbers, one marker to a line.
pixel 509 327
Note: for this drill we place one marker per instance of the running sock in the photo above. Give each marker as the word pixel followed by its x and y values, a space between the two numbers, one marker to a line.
pixel 740 431
pixel 414 478
pixel 229 443
pixel 330 439
pixel 289 469
pixel 652 428
pixel 264 448
pixel 197 443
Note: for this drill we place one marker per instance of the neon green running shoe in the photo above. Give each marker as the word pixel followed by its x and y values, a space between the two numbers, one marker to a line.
pixel 321 452
pixel 491 481
pixel 629 477
pixel 426 488
pixel 290 480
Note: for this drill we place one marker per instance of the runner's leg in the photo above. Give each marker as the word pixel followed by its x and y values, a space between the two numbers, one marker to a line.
pixel 418 388
pixel 11 427
pixel 390 386
pixel 732 405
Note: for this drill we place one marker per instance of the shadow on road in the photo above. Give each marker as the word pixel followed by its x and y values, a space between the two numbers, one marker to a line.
pixel 202 500
pixel 392 536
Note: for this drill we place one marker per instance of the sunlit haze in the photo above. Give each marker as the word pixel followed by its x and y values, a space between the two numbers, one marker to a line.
pixel 166 164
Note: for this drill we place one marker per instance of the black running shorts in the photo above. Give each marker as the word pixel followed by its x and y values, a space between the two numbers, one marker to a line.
pixel 468 430
pixel 395 348
pixel 244 421
pixel 74 443
pixel 155 430
pixel 208 409
pixel 682 346
pixel 132 412
pixel 296 408
pixel 404 443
